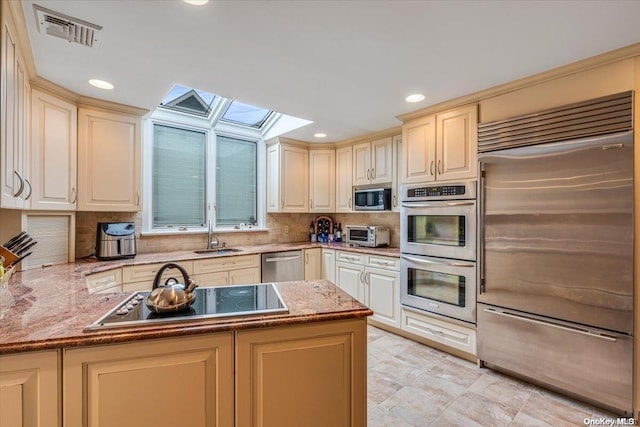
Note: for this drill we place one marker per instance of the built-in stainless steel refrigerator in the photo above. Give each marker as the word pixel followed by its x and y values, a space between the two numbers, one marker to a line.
pixel 555 294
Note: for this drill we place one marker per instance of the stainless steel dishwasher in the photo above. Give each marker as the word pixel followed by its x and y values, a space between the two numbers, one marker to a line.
pixel 282 266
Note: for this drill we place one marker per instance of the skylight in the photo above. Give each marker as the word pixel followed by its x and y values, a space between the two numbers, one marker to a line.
pixel 187 100
pixel 246 115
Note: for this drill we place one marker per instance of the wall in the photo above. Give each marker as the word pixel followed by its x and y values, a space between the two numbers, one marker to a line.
pixel 283 227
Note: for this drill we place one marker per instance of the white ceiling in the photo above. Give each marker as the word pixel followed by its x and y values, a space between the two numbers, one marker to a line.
pixel 345 65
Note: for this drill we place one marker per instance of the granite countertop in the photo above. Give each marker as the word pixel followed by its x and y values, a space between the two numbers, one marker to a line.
pixel 49 308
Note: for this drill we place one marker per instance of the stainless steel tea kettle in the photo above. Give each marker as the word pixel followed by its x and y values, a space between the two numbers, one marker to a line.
pixel 172 295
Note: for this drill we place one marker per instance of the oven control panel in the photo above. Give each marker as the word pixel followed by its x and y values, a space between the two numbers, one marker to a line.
pixel 455 190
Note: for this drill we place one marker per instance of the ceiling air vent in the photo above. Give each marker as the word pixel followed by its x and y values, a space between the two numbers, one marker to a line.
pixel 65 27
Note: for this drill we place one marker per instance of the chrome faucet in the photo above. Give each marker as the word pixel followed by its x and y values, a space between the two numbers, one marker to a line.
pixel 212 238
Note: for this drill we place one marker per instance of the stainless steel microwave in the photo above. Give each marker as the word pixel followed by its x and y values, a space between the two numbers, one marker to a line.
pixel 372 199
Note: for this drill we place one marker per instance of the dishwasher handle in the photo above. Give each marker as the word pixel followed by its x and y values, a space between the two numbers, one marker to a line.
pixel 282 258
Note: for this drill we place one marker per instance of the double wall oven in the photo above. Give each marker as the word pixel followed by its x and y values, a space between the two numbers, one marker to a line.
pixel 438 245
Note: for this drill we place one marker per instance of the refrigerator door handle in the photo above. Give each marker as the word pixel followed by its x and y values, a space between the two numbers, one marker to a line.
pixel 481 204
pixel 527 319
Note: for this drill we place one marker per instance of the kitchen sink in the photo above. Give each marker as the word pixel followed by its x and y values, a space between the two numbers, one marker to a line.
pixel 220 251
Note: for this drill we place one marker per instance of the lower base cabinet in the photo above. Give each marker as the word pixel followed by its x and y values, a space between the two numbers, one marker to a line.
pixel 460 338
pixel 29 389
pixel 161 383
pixel 310 375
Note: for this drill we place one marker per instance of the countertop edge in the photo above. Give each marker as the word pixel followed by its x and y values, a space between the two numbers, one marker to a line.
pixel 115 336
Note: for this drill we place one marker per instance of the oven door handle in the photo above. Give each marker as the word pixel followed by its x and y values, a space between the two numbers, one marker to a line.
pixel 429 261
pixel 437 204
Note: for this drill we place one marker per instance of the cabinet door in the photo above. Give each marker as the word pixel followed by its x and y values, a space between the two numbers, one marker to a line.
pixel 419 151
pixel 161 383
pixel 344 179
pixel 245 276
pixel 29 390
pixel 384 294
pixel 457 143
pixel 105 281
pixel 14 122
pixel 322 180
pixel 53 152
pixel 362 164
pixel 294 187
pixel 349 279
pixel 329 265
pixel 397 173
pixel 310 375
pixel 273 178
pixel 109 161
pixel 313 264
pixel 381 161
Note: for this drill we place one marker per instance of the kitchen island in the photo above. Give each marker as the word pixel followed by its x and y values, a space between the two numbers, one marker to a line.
pixel 304 367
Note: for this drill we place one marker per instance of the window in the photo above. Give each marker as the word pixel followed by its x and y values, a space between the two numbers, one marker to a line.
pixel 236 181
pixel 246 115
pixel 179 197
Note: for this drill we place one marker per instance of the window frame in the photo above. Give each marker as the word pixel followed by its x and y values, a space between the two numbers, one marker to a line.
pixel 176 119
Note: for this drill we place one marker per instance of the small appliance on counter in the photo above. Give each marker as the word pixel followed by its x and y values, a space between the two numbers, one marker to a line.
pixel 367 235
pixel 115 240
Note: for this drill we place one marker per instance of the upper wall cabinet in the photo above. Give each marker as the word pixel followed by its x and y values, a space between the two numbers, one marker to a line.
pixel 322 180
pixel 344 179
pixel 397 173
pixel 14 121
pixel 53 152
pixel 441 147
pixel 109 161
pixel 287 178
pixel 372 162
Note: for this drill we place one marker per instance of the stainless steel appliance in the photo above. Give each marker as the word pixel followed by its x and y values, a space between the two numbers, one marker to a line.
pixel 115 240
pixel 367 235
pixel 282 266
pixel 217 301
pixel 438 245
pixel 439 220
pixel 372 199
pixel 556 254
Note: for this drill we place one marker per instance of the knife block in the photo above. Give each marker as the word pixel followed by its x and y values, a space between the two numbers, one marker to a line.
pixel 9 257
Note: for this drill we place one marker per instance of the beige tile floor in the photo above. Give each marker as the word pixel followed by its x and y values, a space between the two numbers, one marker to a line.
pixel 411 384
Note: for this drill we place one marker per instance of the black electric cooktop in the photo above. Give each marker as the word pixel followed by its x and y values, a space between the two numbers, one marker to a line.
pixel 218 301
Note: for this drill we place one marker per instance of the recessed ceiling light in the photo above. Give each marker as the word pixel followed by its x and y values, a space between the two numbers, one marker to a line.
pixel 100 84
pixel 196 2
pixel 416 97
pixel 320 135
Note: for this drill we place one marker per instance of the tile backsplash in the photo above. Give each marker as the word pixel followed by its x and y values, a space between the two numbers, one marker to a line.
pixel 282 227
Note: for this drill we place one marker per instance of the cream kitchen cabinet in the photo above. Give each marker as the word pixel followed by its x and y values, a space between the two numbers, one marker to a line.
pixel 53 152
pixel 344 179
pixel 30 389
pixel 140 277
pixel 109 161
pixel 373 162
pixel 233 270
pixel 441 147
pixel 186 381
pixel 329 265
pixel 373 280
pixel 397 173
pixel 287 178
pixel 311 375
pixel 322 180
pixel 105 281
pixel 313 264
pixel 14 120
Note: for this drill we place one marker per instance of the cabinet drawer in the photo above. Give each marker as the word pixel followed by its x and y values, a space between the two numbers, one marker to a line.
pixel 105 281
pixel 147 272
pixel 225 263
pixel 388 263
pixel 217 278
pixel 449 334
pixel 351 257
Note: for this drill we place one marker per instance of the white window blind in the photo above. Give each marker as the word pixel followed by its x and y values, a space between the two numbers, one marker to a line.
pixel 179 157
pixel 235 181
